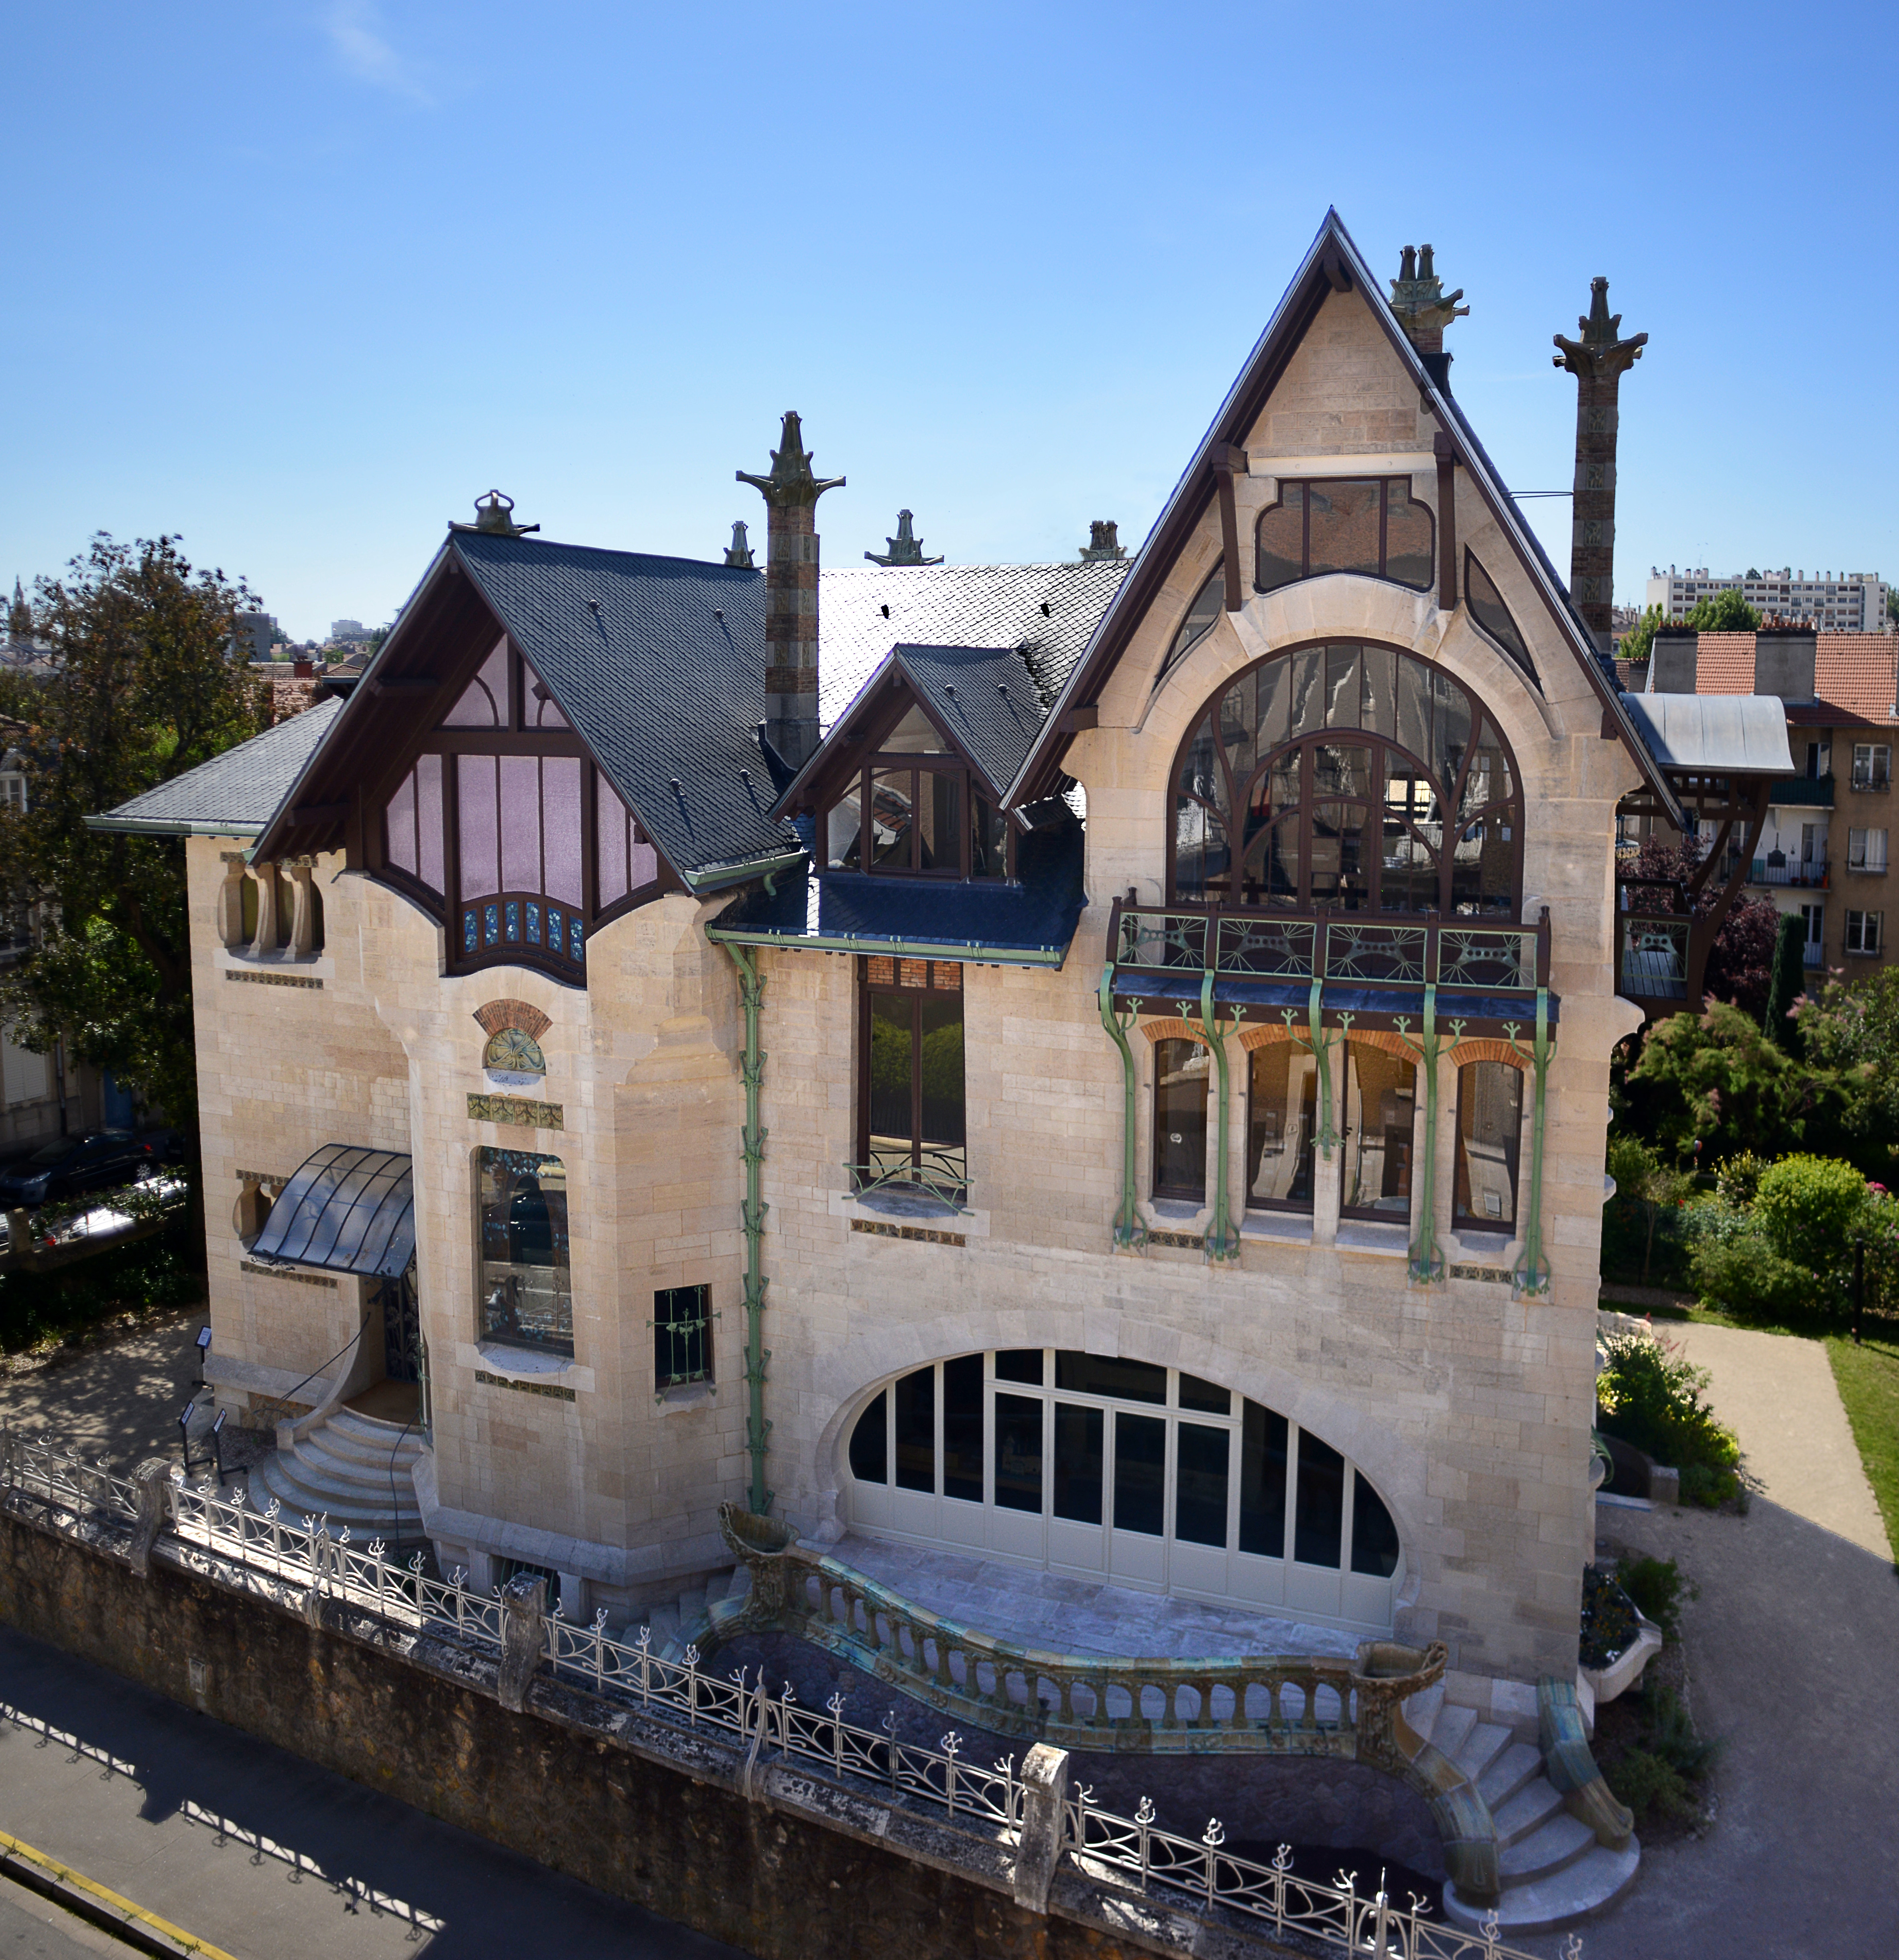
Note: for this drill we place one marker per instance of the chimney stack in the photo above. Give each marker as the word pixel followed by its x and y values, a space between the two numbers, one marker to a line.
pixel 1424 309
pixel 791 494
pixel 1599 360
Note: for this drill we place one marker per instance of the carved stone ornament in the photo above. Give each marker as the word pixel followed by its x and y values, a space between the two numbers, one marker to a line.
pixel 905 549
pixel 1601 353
pixel 791 482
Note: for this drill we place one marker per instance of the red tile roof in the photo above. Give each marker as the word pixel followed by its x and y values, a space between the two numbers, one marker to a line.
pixel 1855 676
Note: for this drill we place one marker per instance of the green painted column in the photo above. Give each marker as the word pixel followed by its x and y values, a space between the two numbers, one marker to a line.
pixel 1533 1269
pixel 751 992
pixel 1222 1244
pixel 1130 1235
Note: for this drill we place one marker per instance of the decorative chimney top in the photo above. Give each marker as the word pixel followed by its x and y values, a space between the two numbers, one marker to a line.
pixel 739 551
pixel 791 486
pixel 494 515
pixel 905 549
pixel 1424 307
pixel 1102 543
pixel 1599 355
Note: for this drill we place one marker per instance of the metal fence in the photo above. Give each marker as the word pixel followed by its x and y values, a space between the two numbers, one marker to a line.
pixel 65 1491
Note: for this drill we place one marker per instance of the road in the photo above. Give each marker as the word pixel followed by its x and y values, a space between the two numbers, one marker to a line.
pixel 258 1851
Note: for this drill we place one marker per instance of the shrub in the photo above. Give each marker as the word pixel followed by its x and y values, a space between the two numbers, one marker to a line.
pixel 1703 1484
pixel 1738 1270
pixel 1672 1735
pixel 1608 1625
pixel 1654 1585
pixel 1738 1179
pixel 1651 1395
pixel 1645 1782
pixel 1809 1206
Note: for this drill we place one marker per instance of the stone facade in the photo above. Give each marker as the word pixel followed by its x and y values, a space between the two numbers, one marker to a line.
pixel 1467 1402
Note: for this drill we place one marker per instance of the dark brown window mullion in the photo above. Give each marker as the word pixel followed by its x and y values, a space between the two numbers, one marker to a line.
pixel 1384 513
pixel 1305 528
pixel 1307 808
pixel 590 846
pixel 1454 825
pixel 916 1079
pixel 1381 779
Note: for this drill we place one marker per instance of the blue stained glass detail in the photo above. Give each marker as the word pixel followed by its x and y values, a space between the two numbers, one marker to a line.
pixel 534 924
pixel 491 925
pixel 468 930
pixel 554 928
pixel 513 921
pixel 574 940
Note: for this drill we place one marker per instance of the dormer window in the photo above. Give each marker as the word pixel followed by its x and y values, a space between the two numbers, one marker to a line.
pixel 1371 525
pixel 930 815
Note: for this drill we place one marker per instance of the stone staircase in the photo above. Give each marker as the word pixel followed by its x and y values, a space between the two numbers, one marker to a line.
pixel 1555 1873
pixel 343 1470
pixel 675 1628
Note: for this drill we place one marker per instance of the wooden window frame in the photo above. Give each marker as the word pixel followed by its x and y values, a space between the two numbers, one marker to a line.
pixel 871 981
pixel 1305 485
pixel 1463 1221
pixel 917 763
pixel 1172 1194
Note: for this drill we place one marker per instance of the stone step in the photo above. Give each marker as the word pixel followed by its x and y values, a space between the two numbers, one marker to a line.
pixel 1527 1812
pixel 1453 1724
pixel 738 1584
pixel 371 1429
pixel 300 1488
pixel 317 1463
pixel 1486 1742
pixel 351 1446
pixel 1549 1849
pixel 1422 1709
pixel 1564 1898
pixel 692 1605
pixel 664 1621
pixel 1520 1765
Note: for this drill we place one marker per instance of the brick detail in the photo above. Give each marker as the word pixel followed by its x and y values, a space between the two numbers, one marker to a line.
pixel 499 1014
pixel 1487 1048
pixel 1175 1029
pixel 1264 1034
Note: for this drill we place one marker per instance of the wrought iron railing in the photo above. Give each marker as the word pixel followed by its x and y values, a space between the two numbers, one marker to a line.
pixel 66 1492
pixel 942 1175
pixel 1652 955
pixel 1180 940
pixel 1809 871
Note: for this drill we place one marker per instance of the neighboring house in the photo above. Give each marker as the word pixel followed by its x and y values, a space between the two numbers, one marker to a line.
pixel 1826 851
pixel 1103 1065
pixel 1847 602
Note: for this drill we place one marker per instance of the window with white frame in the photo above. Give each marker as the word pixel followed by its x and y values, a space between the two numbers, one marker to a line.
pixel 1871 765
pixel 13 791
pixel 1866 931
pixel 1865 849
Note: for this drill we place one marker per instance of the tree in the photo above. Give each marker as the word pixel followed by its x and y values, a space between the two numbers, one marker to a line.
pixel 1787 984
pixel 1892 606
pixel 1727 612
pixel 1641 1175
pixel 1637 642
pixel 145 687
pixel 1852 1028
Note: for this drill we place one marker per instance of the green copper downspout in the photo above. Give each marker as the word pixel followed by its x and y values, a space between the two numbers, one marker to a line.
pixel 751 991
pixel 1222 1242
pixel 1328 1136
pixel 1427 1262
pixel 1533 1269
pixel 1130 1235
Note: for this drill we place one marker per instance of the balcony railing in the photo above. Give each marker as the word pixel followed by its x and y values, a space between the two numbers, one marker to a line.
pixel 1812 873
pixel 1813 954
pixel 1802 792
pixel 1345 946
pixel 1652 955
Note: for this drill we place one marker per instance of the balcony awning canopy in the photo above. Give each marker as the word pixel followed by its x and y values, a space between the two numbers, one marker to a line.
pixel 346 1209
pixel 1727 735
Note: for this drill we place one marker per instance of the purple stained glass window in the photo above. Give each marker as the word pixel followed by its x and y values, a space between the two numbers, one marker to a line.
pixel 399 823
pixel 484 701
pixel 560 802
pixel 645 862
pixel 428 867
pixel 538 703
pixel 613 830
pixel 480 841
pixel 520 823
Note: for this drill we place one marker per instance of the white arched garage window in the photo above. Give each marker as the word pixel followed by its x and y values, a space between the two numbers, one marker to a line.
pixel 1118 1470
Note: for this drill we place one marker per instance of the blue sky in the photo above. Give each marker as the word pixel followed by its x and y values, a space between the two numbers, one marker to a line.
pixel 300 281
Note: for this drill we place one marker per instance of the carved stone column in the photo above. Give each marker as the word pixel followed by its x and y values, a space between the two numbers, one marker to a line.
pixel 1599 360
pixel 303 910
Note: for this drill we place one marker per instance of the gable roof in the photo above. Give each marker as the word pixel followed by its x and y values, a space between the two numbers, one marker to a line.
pixel 1856 677
pixel 958 605
pixel 983 698
pixel 1332 264
pixel 235 794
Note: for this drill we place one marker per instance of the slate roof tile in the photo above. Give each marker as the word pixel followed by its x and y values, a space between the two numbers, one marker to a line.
pixel 238 791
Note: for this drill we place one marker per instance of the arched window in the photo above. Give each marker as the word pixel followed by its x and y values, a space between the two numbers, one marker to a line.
pixel 1354 778
pixel 1200 616
pixel 1119 1470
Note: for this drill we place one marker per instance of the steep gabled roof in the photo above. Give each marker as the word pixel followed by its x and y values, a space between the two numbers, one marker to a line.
pixel 1332 264
pixel 235 794
pixel 958 605
pixel 982 698
pixel 1856 677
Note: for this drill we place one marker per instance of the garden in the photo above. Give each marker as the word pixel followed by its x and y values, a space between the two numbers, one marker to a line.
pixel 1752 1150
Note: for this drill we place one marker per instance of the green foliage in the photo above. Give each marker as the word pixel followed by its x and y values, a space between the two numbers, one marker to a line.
pixel 1787 984
pixel 1744 1275
pixel 1654 1585
pixel 152 1275
pixel 1658 1775
pixel 1608 1626
pixel 1809 1208
pixel 1737 1180
pixel 1648 1785
pixel 1639 641
pixel 1724 613
pixel 1651 1394
pixel 1672 1735
pixel 1642 1177
pixel 1852 1028
pixel 145 689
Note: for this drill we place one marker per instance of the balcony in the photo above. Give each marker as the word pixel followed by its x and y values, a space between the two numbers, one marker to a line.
pixel 1802 793
pixel 1813 954
pixel 1369 964
pixel 1810 873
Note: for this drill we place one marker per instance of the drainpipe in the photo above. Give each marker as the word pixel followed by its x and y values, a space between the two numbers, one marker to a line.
pixel 1427 1262
pixel 751 990
pixel 1222 1243
pixel 1327 1136
pixel 1130 1235
pixel 1533 1269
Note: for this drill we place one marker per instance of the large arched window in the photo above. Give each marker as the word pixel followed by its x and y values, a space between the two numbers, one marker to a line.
pixel 1347 777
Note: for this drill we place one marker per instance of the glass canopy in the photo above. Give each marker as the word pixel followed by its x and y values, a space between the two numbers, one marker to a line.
pixel 346 1209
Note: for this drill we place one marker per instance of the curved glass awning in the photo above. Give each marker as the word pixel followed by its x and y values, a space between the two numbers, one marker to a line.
pixel 346 1209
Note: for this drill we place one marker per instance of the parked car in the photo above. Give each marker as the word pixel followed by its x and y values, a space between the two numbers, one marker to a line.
pixel 101 1160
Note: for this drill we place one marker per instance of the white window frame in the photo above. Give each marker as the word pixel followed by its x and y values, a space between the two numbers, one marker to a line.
pixel 1866 933
pixel 1871 765
pixel 1866 850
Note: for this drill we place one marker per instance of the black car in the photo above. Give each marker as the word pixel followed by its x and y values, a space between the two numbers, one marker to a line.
pixel 101 1160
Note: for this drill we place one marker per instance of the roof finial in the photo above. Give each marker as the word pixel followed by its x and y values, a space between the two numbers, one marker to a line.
pixel 494 515
pixel 739 551
pixel 1424 307
pixel 791 481
pixel 905 547
pixel 1102 541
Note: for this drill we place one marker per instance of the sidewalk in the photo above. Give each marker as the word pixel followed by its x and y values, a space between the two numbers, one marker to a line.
pixel 1791 1645
pixel 121 1401
pixel 264 1854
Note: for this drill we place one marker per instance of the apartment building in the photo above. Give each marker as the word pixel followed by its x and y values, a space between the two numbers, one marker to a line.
pixel 1826 852
pixel 1828 602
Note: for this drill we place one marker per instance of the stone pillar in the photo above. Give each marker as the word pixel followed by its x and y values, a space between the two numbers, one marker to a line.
pixel 791 494
pixel 1599 360
pixel 266 940
pixel 303 912
pixel 230 899
pixel 524 1639
pixel 1038 1849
